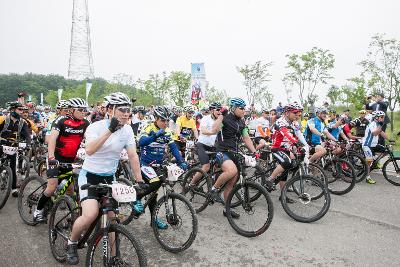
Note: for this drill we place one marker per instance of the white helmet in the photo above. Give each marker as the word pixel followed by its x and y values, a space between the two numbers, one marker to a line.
pixel 77 103
pixel 378 113
pixel 118 98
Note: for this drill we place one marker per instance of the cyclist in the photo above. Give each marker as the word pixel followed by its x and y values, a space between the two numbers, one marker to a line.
pixel 361 123
pixel 13 128
pixel 153 141
pixel 63 143
pixel 335 128
pixel 105 140
pixel 206 141
pixel 31 125
pixel 231 130
pixel 370 141
pixel 286 134
pixel 262 130
pixel 314 131
pixel 304 121
pixel 138 120
pixel 176 113
pixel 33 114
pixel 185 129
pixel 62 109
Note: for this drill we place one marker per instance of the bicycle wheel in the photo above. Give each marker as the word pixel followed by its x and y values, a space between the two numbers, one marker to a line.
pixel 197 195
pixel 6 177
pixel 115 247
pixel 359 163
pixel 61 220
pixel 391 171
pixel 315 171
pixel 23 166
pixel 124 209
pixel 255 216
pixel 304 208
pixel 177 212
pixel 341 176
pixel 29 193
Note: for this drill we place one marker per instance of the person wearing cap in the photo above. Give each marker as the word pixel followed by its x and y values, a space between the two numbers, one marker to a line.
pixel 263 132
pixel 13 128
pixel 361 123
pixel 304 121
pixel 138 120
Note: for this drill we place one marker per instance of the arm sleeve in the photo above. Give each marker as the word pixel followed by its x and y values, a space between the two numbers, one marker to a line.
pixel 146 139
pixel 25 133
pixel 284 131
pixel 175 152
pixel 301 138
pixel 261 131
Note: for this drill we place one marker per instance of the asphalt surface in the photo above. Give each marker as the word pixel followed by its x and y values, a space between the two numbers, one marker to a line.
pixel 361 228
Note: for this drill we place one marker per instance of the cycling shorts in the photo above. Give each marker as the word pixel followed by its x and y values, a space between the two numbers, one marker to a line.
pixel 86 177
pixel 201 152
pixel 221 157
pixel 369 152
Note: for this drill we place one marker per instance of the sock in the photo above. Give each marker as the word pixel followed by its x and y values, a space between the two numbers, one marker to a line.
pixel 70 242
pixel 42 201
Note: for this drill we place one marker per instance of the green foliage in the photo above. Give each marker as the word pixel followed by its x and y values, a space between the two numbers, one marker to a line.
pixel 180 85
pixel 256 77
pixel 308 70
pixel 216 95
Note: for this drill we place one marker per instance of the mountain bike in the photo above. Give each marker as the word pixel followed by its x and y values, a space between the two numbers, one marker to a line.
pixel 391 167
pixel 6 175
pixel 250 199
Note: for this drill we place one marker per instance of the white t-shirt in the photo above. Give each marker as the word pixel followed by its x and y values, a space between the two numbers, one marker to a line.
pixel 370 140
pixel 105 160
pixel 208 140
pixel 264 123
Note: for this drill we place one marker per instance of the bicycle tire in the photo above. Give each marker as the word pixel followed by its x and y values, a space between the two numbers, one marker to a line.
pixel 60 254
pixel 32 202
pixel 117 230
pixel 25 170
pixel 198 192
pixel 321 176
pixel 304 197
pixel 248 209
pixel 174 221
pixel 6 178
pixel 361 169
pixel 342 173
pixel 385 172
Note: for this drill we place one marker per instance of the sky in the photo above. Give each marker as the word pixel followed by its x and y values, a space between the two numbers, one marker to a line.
pixel 152 36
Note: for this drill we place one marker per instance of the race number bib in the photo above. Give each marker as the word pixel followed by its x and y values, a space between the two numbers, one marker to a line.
pixel 174 172
pixel 9 150
pixel 250 161
pixel 21 145
pixel 123 193
pixel 149 172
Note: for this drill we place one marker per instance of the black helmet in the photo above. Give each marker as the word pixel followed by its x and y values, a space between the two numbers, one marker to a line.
pixel 161 112
pixel 14 105
pixel 215 105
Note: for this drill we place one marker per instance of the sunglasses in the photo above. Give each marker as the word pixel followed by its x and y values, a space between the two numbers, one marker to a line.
pixel 164 120
pixel 190 112
pixel 20 109
pixel 241 108
pixel 81 109
pixel 124 110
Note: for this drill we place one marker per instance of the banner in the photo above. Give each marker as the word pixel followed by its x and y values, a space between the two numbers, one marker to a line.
pixel 41 99
pixel 88 87
pixel 29 98
pixel 198 84
pixel 59 94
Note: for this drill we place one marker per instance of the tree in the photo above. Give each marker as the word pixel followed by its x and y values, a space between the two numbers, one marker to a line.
pixel 255 80
pixel 265 99
pixel 334 93
pixel 382 70
pixel 216 95
pixel 159 87
pixel 307 71
pixel 180 86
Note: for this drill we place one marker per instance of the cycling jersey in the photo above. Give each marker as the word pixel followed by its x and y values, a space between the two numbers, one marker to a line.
pixel 335 132
pixel 262 126
pixel 370 140
pixel 207 122
pixel 361 125
pixel 284 134
pixel 187 126
pixel 16 129
pixel 319 126
pixel 70 136
pixel 233 128
pixel 153 148
pixel 35 116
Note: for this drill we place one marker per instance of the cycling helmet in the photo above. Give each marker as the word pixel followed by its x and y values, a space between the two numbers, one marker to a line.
pixel 188 109
pixel 377 114
pixel 178 110
pixel 306 114
pixel 216 105
pixel 237 102
pixel 161 112
pixel 265 110
pixel 293 107
pixel 62 104
pixel 14 105
pixel 141 109
pixel 118 98
pixel 77 103
pixel 321 110
pixel 134 110
pixel 47 107
pixel 30 105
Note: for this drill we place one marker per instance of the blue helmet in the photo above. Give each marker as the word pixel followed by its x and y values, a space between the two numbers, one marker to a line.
pixel 237 102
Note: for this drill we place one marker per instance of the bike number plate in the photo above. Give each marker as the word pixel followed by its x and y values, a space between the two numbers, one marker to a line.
pixel 174 172
pixel 149 172
pixel 21 145
pixel 123 193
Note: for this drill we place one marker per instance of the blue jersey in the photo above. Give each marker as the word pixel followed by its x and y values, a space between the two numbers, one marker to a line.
pixel 311 138
pixel 335 132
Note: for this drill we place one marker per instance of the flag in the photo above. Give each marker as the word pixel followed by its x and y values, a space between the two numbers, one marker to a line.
pixel 88 87
pixel 198 83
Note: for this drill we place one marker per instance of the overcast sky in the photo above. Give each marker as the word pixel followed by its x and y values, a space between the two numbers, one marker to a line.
pixel 144 37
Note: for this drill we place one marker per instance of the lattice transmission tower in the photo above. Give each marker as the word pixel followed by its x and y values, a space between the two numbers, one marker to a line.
pixel 80 55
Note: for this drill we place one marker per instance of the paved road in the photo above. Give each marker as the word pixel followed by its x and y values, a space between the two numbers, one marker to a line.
pixel 361 228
